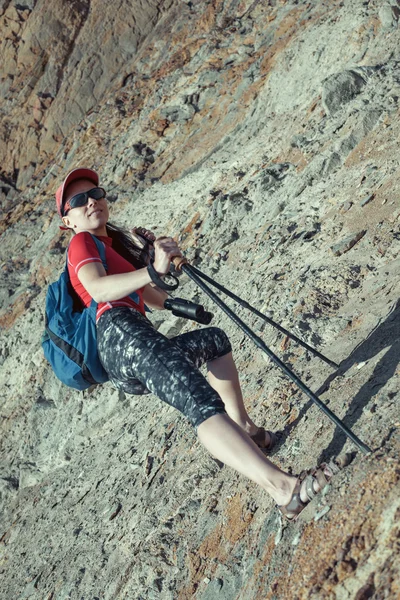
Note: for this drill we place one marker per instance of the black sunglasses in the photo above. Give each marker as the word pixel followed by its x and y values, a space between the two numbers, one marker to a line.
pixel 82 198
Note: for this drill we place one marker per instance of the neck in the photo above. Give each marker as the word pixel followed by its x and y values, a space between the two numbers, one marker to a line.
pixel 99 231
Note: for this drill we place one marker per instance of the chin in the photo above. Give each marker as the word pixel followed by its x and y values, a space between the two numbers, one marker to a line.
pixel 99 219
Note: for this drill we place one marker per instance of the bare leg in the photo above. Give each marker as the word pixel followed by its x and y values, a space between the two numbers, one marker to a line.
pixel 223 377
pixel 225 440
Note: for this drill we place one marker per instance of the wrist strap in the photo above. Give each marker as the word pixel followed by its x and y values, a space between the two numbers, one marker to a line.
pixel 154 276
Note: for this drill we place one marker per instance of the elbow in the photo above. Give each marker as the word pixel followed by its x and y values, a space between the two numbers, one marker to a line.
pixel 97 295
pixel 97 298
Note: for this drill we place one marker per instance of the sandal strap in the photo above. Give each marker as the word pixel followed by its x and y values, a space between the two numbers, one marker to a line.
pixel 318 475
pixel 311 493
pixel 295 505
pixel 259 439
pixel 259 436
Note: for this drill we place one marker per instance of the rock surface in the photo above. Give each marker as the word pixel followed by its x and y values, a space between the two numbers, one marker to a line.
pixel 253 132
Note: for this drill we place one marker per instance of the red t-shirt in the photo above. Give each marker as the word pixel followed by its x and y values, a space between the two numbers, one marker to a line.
pixel 83 250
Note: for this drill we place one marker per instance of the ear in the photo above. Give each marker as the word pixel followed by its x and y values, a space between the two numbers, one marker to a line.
pixel 67 222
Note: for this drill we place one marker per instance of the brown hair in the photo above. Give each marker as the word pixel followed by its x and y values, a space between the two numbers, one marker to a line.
pixel 124 244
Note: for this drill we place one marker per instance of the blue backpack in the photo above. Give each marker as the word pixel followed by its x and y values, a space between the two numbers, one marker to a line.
pixel 70 338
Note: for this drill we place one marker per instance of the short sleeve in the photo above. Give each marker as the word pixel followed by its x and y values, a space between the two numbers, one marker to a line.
pixel 81 251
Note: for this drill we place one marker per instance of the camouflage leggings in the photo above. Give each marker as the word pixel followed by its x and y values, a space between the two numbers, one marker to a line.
pixel 138 359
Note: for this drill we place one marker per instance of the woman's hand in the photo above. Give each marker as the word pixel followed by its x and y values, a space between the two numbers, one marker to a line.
pixel 165 249
pixel 142 235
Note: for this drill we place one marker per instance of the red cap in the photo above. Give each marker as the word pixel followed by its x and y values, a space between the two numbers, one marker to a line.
pixel 80 173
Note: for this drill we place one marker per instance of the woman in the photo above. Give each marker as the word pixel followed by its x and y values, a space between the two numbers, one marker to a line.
pixel 137 358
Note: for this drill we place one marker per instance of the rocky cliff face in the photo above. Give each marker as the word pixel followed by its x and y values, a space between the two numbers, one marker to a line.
pixel 264 136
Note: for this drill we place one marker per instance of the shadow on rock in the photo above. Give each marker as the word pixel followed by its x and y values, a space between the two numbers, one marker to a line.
pixel 386 334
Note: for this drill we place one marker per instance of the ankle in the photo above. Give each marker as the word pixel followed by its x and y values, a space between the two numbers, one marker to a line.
pixel 282 490
pixel 244 422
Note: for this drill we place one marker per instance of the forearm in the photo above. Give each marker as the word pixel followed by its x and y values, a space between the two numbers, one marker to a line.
pixel 104 288
pixel 115 287
pixel 154 296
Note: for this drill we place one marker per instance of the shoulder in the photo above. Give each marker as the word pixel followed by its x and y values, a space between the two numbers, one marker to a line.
pixel 81 239
pixel 82 249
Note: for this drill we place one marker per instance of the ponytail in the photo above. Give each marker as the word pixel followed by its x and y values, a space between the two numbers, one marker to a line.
pixel 124 244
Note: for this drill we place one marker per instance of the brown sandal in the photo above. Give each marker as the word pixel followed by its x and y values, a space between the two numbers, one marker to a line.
pixel 293 508
pixel 259 439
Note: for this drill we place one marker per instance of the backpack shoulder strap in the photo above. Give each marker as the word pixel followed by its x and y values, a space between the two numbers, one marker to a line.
pixel 102 251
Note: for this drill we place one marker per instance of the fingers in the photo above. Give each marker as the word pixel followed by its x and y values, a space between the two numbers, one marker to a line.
pixel 168 246
pixel 146 233
pixel 165 249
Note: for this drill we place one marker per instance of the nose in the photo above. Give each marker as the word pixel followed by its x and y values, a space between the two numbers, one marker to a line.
pixel 92 201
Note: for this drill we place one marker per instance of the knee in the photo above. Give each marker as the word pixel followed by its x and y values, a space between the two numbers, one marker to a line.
pixel 199 410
